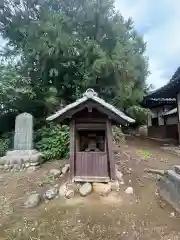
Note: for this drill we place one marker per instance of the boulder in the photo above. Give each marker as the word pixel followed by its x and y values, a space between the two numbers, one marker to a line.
pixel 55 173
pixel 69 194
pixel 50 194
pixel 27 164
pixel 65 169
pixel 129 190
pixel 115 185
pixel 32 168
pixel 102 188
pixel 32 201
pixel 85 189
pixel 21 156
pixel 63 190
pixel 16 166
pixel 15 160
pixel 143 131
pixel 2 160
pixel 36 158
pixel 177 169
pixel 129 171
pixel 6 167
pixel 35 164
pixel 26 158
pixel 119 175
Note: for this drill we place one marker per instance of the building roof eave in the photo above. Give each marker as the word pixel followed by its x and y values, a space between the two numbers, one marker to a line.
pixel 169 90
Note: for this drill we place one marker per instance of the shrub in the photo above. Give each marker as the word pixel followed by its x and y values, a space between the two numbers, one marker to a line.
pixel 5 143
pixel 118 135
pixel 53 141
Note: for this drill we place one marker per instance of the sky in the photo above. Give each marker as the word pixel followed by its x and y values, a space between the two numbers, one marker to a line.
pixel 157 21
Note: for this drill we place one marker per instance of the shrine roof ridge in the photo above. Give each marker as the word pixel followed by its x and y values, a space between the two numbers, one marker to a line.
pixel 90 94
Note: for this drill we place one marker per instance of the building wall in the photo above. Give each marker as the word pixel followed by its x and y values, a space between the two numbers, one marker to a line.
pixel 170 128
pixel 160 110
pixel 164 132
pixel 156 113
pixel 178 106
pixel 170 120
pixel 166 128
pixel 157 132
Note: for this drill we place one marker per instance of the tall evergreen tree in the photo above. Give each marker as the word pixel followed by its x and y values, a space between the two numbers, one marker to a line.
pixel 65 47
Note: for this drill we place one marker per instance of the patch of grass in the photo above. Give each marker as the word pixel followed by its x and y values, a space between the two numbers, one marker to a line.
pixel 144 154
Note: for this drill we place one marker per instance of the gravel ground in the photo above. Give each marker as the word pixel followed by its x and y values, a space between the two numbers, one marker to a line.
pixel 119 216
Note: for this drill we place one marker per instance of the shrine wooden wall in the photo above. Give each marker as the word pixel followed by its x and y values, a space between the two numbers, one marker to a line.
pixel 91 166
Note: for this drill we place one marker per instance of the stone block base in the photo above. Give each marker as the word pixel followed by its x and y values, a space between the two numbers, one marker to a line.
pixel 18 159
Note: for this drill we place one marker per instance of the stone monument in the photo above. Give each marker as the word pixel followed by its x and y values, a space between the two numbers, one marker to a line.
pixel 23 155
pixel 23 138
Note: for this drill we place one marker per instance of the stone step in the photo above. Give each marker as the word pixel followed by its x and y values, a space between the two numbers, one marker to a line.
pixel 177 169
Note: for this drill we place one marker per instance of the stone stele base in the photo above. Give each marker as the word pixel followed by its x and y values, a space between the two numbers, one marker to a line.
pixel 21 159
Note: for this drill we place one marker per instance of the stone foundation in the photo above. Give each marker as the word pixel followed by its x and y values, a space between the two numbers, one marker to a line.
pixel 18 160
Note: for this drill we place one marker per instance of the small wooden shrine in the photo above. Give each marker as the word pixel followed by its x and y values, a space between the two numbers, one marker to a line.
pixel 91 154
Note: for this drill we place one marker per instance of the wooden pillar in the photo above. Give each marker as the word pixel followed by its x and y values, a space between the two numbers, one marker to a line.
pixel 149 120
pixel 110 150
pixel 165 120
pixel 178 114
pixel 72 148
pixel 160 118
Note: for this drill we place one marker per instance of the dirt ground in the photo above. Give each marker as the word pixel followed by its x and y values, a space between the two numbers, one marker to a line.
pixel 119 216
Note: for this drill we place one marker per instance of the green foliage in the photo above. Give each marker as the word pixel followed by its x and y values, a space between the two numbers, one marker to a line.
pixel 5 144
pixel 118 135
pixel 145 154
pixel 53 141
pixel 14 89
pixel 138 113
pixel 62 48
